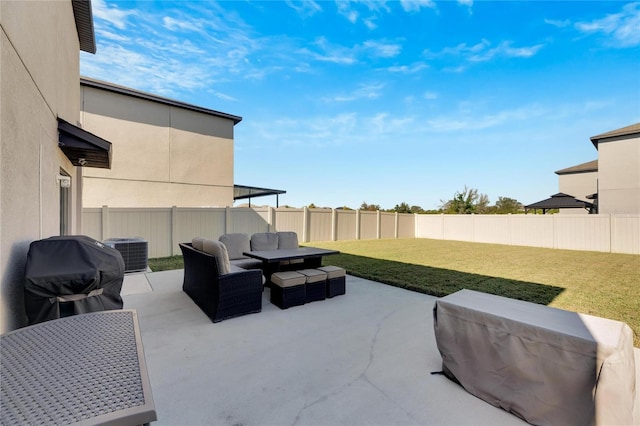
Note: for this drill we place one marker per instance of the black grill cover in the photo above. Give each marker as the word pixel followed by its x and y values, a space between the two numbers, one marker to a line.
pixel 71 275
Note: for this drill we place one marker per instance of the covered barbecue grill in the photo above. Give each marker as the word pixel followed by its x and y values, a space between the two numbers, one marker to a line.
pixel 70 275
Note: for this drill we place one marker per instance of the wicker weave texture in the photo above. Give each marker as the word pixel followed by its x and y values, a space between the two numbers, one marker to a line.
pixel 286 297
pixel 73 369
pixel 220 296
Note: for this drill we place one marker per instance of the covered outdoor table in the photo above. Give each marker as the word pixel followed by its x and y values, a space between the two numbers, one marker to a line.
pixel 69 275
pixel 545 365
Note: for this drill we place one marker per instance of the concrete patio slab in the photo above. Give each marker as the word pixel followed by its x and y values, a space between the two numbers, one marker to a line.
pixel 135 284
pixel 364 358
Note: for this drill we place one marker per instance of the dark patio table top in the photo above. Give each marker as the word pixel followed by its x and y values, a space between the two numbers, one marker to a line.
pixel 271 256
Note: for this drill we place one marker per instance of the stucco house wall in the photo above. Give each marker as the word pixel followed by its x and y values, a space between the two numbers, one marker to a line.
pixel 619 174
pixel 578 181
pixel 165 153
pixel 39 57
pixel 614 176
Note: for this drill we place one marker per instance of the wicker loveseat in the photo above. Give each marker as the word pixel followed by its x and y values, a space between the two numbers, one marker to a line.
pixel 220 290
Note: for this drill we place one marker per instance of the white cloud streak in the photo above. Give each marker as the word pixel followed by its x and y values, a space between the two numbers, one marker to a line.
pixel 622 29
pixel 482 51
pixel 365 91
pixel 304 8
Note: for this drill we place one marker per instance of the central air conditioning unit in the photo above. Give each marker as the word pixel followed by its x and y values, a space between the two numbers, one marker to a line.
pixel 134 251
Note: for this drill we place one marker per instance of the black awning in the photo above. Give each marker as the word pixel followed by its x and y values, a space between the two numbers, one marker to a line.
pixel 241 192
pixel 83 148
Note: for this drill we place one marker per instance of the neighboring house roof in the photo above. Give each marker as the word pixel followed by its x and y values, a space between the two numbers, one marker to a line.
pixel 591 166
pixel 84 25
pixel 631 130
pixel 559 201
pixel 103 85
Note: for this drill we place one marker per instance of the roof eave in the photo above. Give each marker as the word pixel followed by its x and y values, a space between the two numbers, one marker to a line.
pixel 632 130
pixel 84 25
pixel 110 87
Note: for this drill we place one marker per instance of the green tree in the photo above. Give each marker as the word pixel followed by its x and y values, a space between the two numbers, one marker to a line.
pixel 402 208
pixel 466 202
pixel 369 207
pixel 506 205
pixel 482 204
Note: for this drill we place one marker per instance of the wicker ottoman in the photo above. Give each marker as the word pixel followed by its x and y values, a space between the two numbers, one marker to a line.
pixel 316 284
pixel 336 278
pixel 288 289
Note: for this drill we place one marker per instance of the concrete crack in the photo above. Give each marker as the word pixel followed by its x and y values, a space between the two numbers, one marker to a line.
pixel 362 376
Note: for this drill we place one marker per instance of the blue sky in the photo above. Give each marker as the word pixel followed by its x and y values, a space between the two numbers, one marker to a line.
pixel 387 102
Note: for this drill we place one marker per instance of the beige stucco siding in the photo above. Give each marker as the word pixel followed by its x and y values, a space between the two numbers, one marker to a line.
pixel 619 175
pixel 138 130
pixel 162 155
pixel 39 54
pixel 578 185
pixel 125 193
pixel 198 155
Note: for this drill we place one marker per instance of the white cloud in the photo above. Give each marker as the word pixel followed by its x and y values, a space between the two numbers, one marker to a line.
pixel 430 95
pixel 482 51
pixel 364 91
pixel 344 129
pixel 304 8
pixel 224 97
pixel 331 52
pixel 470 118
pixel 365 11
pixel 623 28
pixel 505 50
pixel 408 69
pixel 381 49
pixel 416 5
pixel 111 13
pixel 173 24
pixel 370 23
pixel 102 33
pixel 558 23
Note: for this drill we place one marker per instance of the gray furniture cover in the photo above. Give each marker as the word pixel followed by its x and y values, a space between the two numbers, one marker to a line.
pixel 71 275
pixel 545 365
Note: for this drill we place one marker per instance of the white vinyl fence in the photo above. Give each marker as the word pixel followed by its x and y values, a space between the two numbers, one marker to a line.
pixel 608 233
pixel 164 228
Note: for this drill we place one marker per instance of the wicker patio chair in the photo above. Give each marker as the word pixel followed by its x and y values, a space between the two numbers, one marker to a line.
pixel 221 291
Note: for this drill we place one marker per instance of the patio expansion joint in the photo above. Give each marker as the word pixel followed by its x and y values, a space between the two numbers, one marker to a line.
pixel 361 377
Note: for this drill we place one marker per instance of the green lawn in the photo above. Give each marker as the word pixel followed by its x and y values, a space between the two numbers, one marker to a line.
pixel 601 284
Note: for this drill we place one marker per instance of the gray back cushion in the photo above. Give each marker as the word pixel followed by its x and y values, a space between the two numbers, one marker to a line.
pixel 287 240
pixel 217 249
pixel 236 244
pixel 264 241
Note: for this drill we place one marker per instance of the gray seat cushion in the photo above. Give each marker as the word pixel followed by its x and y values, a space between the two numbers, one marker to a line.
pixel 236 244
pixel 287 240
pixel 264 241
pixel 247 263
